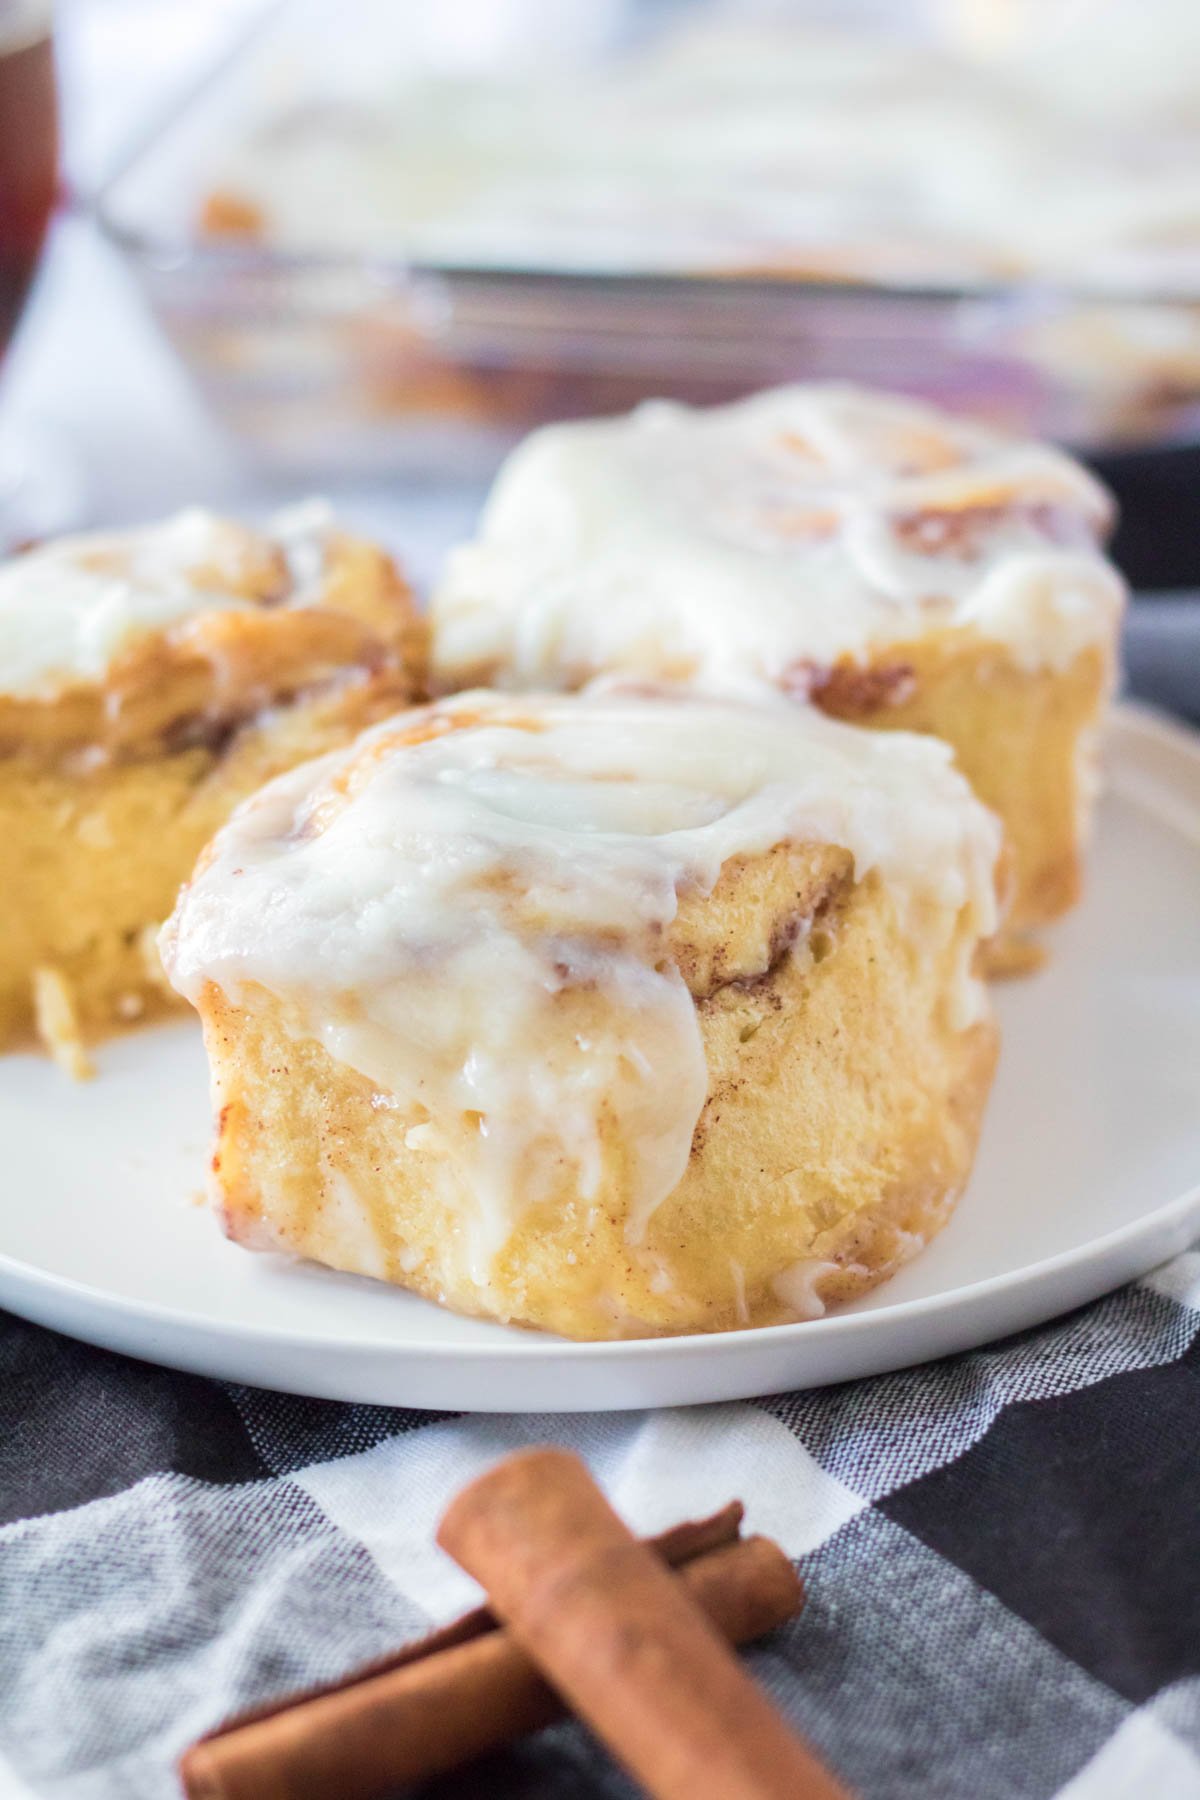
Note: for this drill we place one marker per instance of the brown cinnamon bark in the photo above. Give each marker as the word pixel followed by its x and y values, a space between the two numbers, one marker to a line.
pixel 462 1691
pixel 623 1642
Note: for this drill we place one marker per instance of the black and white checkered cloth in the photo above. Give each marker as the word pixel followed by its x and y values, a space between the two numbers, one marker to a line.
pixel 1002 1554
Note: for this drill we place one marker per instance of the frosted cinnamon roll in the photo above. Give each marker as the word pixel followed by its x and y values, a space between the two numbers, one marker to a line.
pixel 149 680
pixel 893 565
pixel 609 1014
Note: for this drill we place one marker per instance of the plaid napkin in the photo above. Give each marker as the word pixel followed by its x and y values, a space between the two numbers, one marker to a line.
pixel 1002 1553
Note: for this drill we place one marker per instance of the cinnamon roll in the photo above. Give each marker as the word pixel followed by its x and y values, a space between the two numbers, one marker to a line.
pixel 149 680
pixel 606 1013
pixel 891 564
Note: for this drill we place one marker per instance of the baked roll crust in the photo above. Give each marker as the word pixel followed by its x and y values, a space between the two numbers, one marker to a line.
pixel 149 680
pixel 607 1014
pixel 888 563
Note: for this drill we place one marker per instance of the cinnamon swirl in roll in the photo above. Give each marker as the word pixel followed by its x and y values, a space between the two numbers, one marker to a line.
pixel 891 564
pixel 149 680
pixel 611 1014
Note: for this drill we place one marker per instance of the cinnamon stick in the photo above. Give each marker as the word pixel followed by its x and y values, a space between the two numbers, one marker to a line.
pixel 623 1642
pixel 464 1690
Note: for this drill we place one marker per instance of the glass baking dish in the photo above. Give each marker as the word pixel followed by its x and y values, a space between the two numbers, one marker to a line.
pixel 336 362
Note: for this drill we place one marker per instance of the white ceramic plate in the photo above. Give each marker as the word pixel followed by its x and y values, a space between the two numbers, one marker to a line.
pixel 1087 1176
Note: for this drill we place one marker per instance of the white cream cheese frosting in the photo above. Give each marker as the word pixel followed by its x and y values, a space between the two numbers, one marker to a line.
pixel 468 908
pixel 69 609
pixel 747 543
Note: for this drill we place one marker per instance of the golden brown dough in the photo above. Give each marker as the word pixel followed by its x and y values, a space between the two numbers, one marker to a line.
pixel 839 1130
pixel 1024 738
